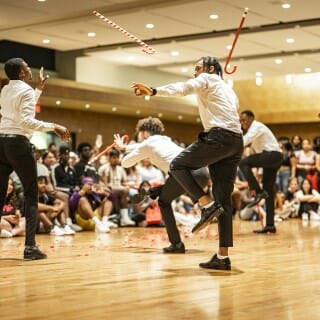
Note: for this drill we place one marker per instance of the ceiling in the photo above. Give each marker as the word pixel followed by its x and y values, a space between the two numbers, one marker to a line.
pixel 180 25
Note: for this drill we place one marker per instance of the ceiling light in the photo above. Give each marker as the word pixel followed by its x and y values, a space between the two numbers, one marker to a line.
pixel 259 81
pixel 286 5
pixel 91 34
pixel 147 98
pixel 288 78
pixel 229 46
pixel 214 16
pixel 307 69
pixel 290 40
pixel 138 112
pixel 175 53
pixel 130 58
pixel 58 102
pixel 180 117
pixel 114 109
pixel 46 41
pixel 258 74
pixel 42 0
pixel 184 70
pixel 198 119
pixel 149 25
pixel 278 61
pixel 160 115
pixel 87 106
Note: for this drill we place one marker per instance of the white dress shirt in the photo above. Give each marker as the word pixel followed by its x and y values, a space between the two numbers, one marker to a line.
pixel 261 138
pixel 18 102
pixel 161 150
pixel 217 102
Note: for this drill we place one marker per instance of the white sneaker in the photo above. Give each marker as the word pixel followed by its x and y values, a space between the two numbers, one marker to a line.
pixel 67 230
pixel 126 222
pixel 111 224
pixel 75 227
pixel 314 216
pixel 101 228
pixel 5 234
pixel 56 231
pixel 305 216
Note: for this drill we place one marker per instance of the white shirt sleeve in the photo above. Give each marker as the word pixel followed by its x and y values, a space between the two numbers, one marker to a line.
pixel 140 152
pixel 251 134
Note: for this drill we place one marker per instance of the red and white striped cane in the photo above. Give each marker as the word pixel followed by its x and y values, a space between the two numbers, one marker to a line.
pixel 145 48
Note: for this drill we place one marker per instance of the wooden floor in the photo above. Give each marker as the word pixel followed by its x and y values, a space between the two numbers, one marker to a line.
pixel 124 275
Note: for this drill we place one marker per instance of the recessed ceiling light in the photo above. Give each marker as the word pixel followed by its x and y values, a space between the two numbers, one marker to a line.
pixel 229 46
pixel 149 25
pixel 290 40
pixel 278 61
pixel 87 106
pixel 198 119
pixel 286 5
pixel 130 58
pixel 91 34
pixel 288 78
pixel 46 41
pixel 175 53
pixel 258 74
pixel 42 0
pixel 114 109
pixel 184 70
pixel 138 112
pixel 307 69
pixel 259 81
pixel 180 117
pixel 160 115
pixel 58 102
pixel 214 16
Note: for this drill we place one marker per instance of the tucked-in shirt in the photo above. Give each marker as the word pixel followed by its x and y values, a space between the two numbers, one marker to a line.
pixel 261 138
pixel 217 102
pixel 18 101
pixel 161 150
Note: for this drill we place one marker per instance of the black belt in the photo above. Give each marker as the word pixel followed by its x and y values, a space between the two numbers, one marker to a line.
pixel 217 129
pixel 9 135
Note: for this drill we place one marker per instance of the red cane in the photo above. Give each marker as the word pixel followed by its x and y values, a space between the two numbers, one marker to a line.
pixel 234 43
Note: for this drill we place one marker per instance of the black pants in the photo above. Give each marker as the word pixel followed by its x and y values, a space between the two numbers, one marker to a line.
pixel 16 155
pixel 170 191
pixel 221 151
pixel 270 161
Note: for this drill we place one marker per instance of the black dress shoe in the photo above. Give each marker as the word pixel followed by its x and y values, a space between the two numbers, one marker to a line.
pixel 33 253
pixel 175 248
pixel 207 215
pixel 266 229
pixel 216 263
pixel 258 198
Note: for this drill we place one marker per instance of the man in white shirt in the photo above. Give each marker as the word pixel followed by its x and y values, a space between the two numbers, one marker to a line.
pixel 161 150
pixel 267 156
pixel 219 147
pixel 18 122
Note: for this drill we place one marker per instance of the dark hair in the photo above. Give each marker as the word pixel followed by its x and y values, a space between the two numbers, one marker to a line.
pixel 42 179
pixel 13 68
pixel 152 125
pixel 142 183
pixel 248 113
pixel 212 62
pixel 64 150
pixel 83 145
pixel 114 153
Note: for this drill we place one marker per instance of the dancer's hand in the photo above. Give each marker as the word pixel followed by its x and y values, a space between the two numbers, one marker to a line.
pixel 62 132
pixel 119 142
pixel 42 79
pixel 140 89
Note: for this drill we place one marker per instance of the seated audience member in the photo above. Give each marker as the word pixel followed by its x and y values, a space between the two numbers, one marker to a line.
pixel 287 204
pixel 51 211
pixel 63 175
pixel 148 172
pixel 91 206
pixel 296 143
pixel 11 223
pixel 309 201
pixel 306 164
pixel 133 180
pixel 115 178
